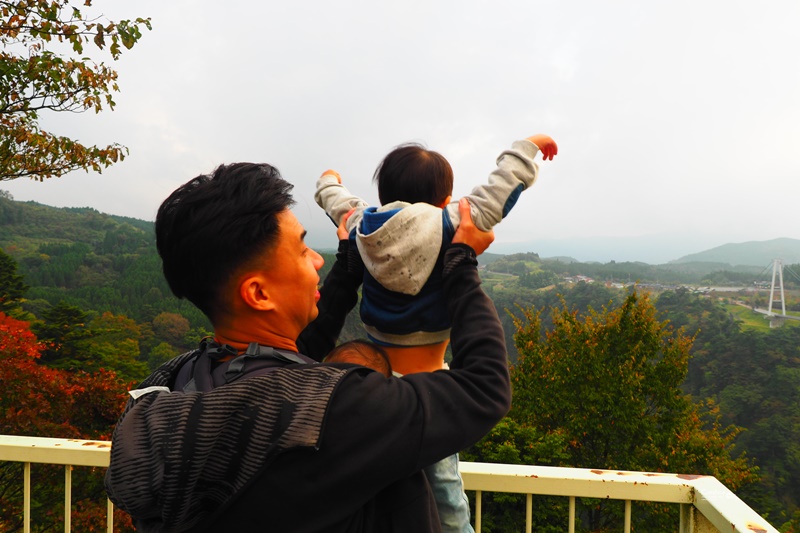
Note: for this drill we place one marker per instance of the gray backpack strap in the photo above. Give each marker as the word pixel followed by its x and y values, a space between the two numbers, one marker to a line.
pixel 236 368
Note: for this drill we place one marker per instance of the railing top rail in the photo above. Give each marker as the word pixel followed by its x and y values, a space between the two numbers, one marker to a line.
pixel 54 451
pixel 713 499
pixel 584 483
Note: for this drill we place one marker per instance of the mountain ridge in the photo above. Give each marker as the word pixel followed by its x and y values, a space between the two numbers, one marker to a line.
pixel 749 253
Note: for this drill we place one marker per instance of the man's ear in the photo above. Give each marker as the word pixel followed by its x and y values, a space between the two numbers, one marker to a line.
pixel 253 289
pixel 446 201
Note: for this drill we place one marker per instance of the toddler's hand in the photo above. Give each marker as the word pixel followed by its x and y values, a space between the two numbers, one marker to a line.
pixel 330 172
pixel 546 145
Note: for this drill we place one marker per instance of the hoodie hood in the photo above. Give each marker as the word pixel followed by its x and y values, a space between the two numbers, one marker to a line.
pixel 399 244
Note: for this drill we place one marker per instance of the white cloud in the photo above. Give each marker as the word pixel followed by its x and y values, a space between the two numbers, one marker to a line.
pixel 679 116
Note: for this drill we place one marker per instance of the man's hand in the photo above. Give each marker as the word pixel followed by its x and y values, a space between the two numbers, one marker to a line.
pixel 330 172
pixel 546 145
pixel 341 231
pixel 468 233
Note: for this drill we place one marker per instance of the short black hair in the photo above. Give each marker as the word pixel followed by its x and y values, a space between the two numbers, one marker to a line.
pixel 214 224
pixel 412 173
pixel 361 352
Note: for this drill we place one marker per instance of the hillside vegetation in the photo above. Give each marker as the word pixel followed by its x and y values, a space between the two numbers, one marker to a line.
pixel 85 269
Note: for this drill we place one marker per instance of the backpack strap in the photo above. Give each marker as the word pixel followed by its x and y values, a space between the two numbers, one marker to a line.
pixel 201 379
pixel 237 367
pixel 256 360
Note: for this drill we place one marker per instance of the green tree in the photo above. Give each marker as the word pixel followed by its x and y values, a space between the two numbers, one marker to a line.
pixel 538 279
pixel 513 443
pixel 113 344
pixel 12 285
pixel 62 330
pixel 609 382
pixel 160 354
pixel 35 77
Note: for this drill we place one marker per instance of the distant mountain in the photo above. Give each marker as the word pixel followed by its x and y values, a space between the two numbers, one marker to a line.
pixel 487 258
pixel 659 249
pixel 753 253
pixel 561 259
pixel 650 249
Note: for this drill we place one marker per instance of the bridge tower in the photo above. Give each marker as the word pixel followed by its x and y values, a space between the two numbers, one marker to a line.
pixel 777 269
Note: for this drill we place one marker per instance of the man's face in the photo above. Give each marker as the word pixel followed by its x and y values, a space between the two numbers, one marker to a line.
pixel 292 275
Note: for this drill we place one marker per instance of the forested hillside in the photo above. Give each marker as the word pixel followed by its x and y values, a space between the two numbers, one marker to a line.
pixel 742 376
pixel 95 285
pixel 90 288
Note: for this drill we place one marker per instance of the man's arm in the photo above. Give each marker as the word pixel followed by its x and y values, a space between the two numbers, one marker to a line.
pixel 338 296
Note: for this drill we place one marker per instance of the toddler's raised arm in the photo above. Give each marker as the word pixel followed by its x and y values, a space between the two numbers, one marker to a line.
pixel 515 172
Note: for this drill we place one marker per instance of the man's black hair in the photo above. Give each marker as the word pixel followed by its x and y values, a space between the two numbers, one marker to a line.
pixel 214 224
pixel 412 173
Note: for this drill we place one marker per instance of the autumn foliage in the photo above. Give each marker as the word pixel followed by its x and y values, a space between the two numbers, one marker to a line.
pixel 41 401
pixel 36 77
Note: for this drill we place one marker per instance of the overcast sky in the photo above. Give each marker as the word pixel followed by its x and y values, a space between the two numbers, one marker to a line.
pixel 678 122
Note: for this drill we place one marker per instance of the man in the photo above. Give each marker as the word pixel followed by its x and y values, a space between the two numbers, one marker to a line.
pixel 249 433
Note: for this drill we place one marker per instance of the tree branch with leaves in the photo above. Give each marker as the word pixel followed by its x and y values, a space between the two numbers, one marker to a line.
pixel 36 76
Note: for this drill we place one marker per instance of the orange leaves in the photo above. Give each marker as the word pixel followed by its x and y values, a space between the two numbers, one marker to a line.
pixel 17 339
pixel 99 37
pixel 40 79
pixel 42 401
pixel 26 152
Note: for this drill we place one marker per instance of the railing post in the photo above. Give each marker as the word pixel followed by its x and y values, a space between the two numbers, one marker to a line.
pixel 627 525
pixel 572 514
pixel 686 521
pixel 67 498
pixel 478 511
pixel 528 513
pixel 109 517
pixel 26 498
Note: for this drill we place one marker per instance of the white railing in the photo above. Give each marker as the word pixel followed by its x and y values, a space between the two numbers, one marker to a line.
pixel 67 452
pixel 705 503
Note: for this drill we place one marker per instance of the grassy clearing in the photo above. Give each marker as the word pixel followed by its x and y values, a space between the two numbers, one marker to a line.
pixel 752 320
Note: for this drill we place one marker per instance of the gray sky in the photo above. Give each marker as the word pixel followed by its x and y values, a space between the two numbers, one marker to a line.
pixel 678 123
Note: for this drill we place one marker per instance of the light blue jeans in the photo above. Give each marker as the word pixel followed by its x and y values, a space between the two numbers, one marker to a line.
pixel 448 490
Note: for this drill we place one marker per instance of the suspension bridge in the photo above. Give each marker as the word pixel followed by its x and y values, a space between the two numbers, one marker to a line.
pixel 773 316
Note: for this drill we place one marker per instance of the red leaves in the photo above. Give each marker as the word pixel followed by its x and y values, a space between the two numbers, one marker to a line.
pixel 42 401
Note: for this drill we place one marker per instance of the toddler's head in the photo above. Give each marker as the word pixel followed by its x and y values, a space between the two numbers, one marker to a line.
pixel 411 173
pixel 361 352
